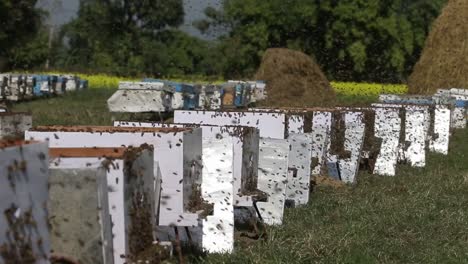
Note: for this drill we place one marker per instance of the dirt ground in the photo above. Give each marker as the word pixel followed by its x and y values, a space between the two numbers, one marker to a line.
pixel 325 181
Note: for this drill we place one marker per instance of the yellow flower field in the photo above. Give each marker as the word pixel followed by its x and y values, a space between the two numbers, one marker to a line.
pixel 345 88
pixel 369 89
pixel 103 80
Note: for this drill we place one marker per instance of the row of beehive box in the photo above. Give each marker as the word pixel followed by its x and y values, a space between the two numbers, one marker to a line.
pixel 257 160
pixel 17 87
pixel 153 95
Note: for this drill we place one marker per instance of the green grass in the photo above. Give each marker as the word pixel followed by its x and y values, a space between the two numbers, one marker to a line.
pixel 355 100
pixel 419 216
pixel 88 107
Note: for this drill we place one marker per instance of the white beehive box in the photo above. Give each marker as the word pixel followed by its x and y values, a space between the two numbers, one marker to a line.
pixel 387 127
pixel 353 143
pixel 459 113
pixel 139 97
pixel 230 164
pixel 271 125
pixel 178 151
pixel 272 179
pixel 321 127
pixel 300 156
pixel 245 154
pixel 417 123
pixel 318 122
pixel 439 141
pixel 217 189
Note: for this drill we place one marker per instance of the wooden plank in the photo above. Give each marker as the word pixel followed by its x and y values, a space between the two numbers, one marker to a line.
pixel 86 152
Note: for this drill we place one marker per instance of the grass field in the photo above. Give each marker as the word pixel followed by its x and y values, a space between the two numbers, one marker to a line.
pixel 419 216
pixel 89 107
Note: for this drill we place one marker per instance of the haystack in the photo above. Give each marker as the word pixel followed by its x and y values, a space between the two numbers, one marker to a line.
pixel 294 79
pixel 444 60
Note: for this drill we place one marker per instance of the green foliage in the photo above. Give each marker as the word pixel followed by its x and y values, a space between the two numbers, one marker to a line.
pixel 375 40
pixel 20 46
pixel 132 38
pixel 352 40
pixel 31 55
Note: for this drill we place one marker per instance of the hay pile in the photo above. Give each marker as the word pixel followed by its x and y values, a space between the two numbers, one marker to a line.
pixel 444 60
pixel 294 79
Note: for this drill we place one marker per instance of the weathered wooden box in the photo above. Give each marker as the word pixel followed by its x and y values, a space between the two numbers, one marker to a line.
pixel 113 188
pixel 24 231
pixel 14 124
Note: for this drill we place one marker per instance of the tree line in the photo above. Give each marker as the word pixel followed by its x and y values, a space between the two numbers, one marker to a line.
pixel 352 40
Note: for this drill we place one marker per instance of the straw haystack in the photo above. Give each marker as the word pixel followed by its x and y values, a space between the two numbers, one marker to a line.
pixel 444 60
pixel 294 79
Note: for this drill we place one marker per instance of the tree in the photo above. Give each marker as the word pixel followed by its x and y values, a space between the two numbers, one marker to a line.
pixel 371 40
pixel 376 40
pixel 256 25
pixel 130 38
pixel 20 23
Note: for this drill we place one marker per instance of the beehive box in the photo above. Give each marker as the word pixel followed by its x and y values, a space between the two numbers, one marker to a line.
pixel 437 126
pixel 14 124
pixel 210 97
pixel 41 85
pixel 416 123
pixel 12 89
pixel 387 127
pixel 139 97
pixel 25 85
pixel 453 99
pixel 440 134
pixel 79 214
pixel 321 128
pixel 272 179
pixel 460 112
pixel 353 143
pixel 3 86
pixel 339 135
pixel 123 177
pixel 270 124
pixel 406 99
pixel 178 151
pixel 245 155
pixel 275 124
pixel 299 168
pixel 217 189
pixel 298 120
pixel 328 135
pixel 71 83
pixel 24 232
pixel 230 164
